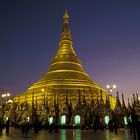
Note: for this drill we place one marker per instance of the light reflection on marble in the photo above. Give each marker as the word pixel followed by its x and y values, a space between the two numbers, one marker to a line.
pixel 68 134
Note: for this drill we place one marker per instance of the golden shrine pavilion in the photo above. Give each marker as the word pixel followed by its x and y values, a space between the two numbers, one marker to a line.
pixel 66 81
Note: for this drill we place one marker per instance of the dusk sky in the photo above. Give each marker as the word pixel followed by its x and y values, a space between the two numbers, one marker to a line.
pixel 105 33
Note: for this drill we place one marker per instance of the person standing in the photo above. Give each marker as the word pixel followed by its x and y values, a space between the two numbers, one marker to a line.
pixel 7 126
pixel 134 122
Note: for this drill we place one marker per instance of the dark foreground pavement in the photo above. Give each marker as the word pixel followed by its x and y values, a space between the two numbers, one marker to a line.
pixel 68 134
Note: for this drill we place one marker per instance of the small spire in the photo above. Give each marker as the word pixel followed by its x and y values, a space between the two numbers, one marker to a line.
pixel 129 106
pixel 122 98
pixel 101 98
pixel 137 99
pixel 108 103
pixel 123 102
pixel 134 99
pixel 118 104
pixel 92 101
pixel 66 17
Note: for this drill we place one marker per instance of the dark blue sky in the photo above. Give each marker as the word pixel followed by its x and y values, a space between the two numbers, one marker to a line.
pixel 106 37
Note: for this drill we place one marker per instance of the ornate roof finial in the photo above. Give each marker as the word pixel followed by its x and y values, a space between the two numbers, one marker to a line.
pixel 66 17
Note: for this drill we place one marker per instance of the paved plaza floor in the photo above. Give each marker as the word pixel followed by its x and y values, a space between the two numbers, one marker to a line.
pixel 68 134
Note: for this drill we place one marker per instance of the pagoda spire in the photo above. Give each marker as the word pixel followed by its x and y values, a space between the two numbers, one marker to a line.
pixel 65 58
pixel 134 100
pixel 66 17
pixel 118 104
pixel 129 106
pixel 92 102
pixel 97 102
pixel 65 69
pixel 123 102
pixel 101 98
pixel 137 96
pixel 65 44
pixel 108 103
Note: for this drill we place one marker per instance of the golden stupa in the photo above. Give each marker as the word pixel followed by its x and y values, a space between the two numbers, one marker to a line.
pixel 65 79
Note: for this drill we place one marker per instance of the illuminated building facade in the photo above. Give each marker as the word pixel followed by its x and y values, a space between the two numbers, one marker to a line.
pixel 66 91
